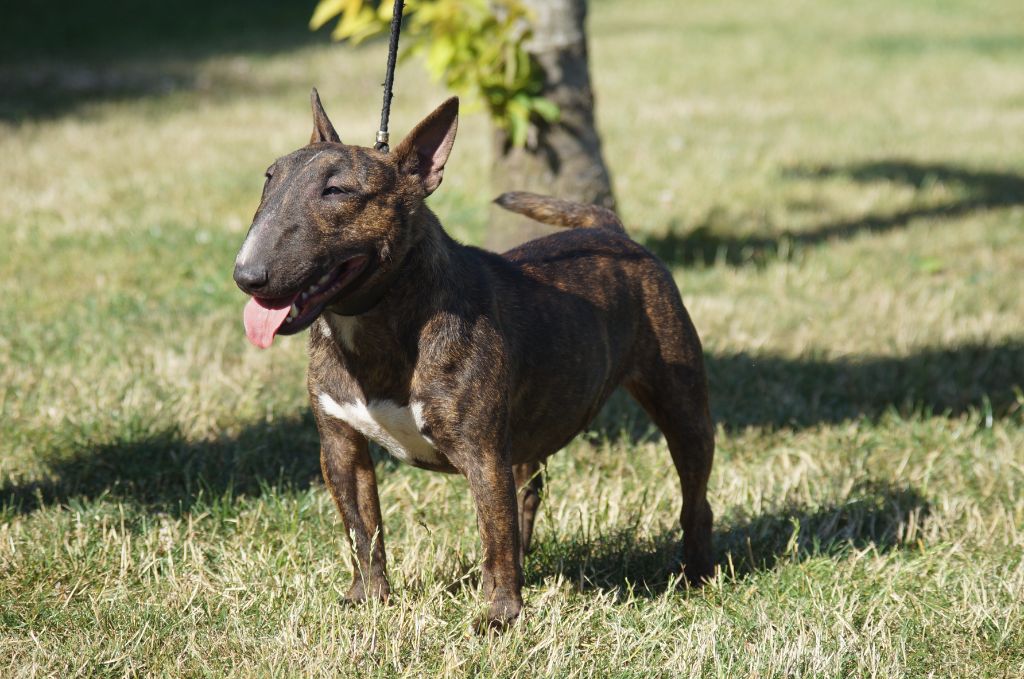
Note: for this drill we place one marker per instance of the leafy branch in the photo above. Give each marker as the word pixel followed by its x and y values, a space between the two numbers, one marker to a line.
pixel 476 47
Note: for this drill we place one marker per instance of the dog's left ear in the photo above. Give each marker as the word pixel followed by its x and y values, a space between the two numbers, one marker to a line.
pixel 425 150
pixel 322 128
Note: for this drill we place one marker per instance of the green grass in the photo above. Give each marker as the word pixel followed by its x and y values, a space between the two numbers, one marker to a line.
pixel 839 188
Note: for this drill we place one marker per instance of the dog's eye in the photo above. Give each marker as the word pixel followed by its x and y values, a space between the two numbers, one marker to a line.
pixel 336 191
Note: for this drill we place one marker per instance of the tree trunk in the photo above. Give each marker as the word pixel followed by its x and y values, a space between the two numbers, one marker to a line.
pixel 561 159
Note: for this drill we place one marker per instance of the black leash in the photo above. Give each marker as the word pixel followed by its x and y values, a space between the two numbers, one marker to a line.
pixel 389 77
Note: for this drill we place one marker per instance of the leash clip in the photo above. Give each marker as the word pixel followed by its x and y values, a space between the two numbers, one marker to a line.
pixel 382 141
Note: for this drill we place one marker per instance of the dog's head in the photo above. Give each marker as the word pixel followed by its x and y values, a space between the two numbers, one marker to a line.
pixel 334 223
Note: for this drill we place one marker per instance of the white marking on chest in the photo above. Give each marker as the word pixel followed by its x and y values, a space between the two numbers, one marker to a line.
pixel 395 427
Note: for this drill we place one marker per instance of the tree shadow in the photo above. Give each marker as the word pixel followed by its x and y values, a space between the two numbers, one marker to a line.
pixel 57 57
pixel 879 515
pixel 708 242
pixel 803 392
pixel 167 472
pixel 777 391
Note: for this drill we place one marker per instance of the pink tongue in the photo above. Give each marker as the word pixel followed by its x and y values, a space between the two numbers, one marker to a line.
pixel 262 320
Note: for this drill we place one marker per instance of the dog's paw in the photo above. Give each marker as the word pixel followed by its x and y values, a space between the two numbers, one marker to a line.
pixel 698 571
pixel 359 592
pixel 500 615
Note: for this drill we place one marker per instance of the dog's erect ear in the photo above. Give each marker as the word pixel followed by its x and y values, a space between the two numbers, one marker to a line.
pixel 322 128
pixel 425 150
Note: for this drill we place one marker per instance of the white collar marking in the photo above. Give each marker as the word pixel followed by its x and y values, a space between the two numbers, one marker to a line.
pixel 344 327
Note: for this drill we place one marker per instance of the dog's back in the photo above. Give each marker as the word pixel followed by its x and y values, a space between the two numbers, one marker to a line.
pixel 591 309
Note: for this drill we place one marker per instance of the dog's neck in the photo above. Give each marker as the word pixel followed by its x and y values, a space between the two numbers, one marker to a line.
pixel 427 266
pixel 425 272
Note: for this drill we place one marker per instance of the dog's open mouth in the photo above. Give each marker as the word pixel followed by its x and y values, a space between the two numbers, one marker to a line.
pixel 266 318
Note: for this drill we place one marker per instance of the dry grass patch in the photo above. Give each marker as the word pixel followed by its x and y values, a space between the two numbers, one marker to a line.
pixel 839 193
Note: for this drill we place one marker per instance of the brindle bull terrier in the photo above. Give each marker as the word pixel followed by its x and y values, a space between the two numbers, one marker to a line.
pixel 459 360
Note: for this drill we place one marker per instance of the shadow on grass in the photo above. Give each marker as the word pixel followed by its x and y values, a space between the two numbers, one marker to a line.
pixel 877 515
pixel 775 391
pixel 802 392
pixel 975 191
pixel 166 472
pixel 55 57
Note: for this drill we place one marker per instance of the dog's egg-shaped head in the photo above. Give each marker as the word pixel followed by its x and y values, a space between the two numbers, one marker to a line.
pixel 335 221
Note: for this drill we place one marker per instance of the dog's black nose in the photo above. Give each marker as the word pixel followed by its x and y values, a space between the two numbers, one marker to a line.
pixel 251 277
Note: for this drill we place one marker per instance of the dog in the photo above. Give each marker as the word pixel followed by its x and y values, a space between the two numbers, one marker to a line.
pixel 459 360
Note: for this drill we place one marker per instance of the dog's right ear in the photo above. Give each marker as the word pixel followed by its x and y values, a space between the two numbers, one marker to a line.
pixel 322 128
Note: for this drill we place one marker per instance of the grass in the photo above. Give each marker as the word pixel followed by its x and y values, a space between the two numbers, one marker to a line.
pixel 839 189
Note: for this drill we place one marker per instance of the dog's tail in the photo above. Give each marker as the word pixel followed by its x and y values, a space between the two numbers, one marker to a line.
pixel 557 212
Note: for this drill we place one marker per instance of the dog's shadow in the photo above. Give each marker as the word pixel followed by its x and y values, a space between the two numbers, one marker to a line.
pixel 881 516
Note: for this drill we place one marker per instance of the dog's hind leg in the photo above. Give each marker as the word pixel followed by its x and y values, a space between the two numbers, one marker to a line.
pixel 675 397
pixel 530 485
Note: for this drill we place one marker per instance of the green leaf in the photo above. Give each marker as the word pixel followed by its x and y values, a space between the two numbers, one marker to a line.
pixel 325 11
pixel 518 116
pixel 546 109
pixel 357 24
pixel 386 9
pixel 439 56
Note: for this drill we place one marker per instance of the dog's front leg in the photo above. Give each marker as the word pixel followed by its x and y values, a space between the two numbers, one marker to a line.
pixel 349 475
pixel 494 492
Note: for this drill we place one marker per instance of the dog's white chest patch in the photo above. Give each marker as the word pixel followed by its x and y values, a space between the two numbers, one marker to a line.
pixel 395 427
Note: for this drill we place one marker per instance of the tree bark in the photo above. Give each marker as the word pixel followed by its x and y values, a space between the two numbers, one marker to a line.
pixel 564 158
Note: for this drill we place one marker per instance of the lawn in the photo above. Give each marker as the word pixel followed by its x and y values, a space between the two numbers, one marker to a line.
pixel 839 190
